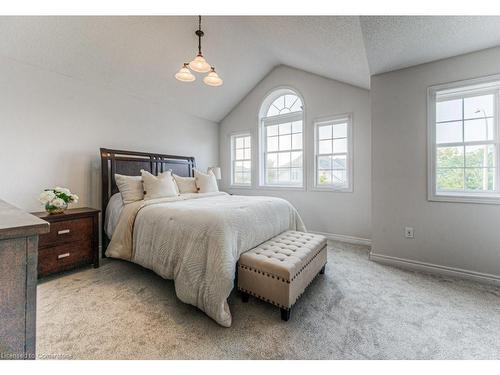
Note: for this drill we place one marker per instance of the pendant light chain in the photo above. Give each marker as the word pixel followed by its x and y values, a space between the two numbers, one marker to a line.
pixel 200 33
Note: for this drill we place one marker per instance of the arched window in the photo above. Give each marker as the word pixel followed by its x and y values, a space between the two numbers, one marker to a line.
pixel 281 121
pixel 286 103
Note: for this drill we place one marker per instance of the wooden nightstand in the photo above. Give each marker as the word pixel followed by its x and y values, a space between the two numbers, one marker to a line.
pixel 73 241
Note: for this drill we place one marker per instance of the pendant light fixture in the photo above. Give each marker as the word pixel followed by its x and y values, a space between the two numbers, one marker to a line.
pixel 212 78
pixel 184 74
pixel 199 65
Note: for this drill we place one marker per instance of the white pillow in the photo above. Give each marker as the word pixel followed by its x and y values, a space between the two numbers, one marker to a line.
pixel 130 187
pixel 206 183
pixel 113 211
pixel 161 186
pixel 186 184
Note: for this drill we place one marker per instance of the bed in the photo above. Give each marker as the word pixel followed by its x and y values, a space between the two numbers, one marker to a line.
pixel 194 239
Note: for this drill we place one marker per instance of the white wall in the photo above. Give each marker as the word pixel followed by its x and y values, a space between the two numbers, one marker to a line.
pixel 51 128
pixel 457 235
pixel 329 212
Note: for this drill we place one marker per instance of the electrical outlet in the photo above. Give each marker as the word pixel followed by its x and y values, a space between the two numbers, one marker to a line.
pixel 409 232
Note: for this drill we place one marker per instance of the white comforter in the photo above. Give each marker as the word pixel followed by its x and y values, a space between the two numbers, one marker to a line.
pixel 196 240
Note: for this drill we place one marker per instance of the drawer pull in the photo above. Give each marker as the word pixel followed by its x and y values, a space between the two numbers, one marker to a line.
pixel 64 231
pixel 65 255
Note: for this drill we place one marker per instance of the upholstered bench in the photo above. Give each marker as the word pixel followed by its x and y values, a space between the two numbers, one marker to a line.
pixel 279 270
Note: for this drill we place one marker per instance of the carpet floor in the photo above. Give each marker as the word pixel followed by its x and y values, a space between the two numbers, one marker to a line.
pixel 357 310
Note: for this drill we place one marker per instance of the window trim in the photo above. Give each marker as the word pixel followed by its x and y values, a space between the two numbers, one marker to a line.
pixel 324 120
pixel 263 120
pixel 461 196
pixel 232 136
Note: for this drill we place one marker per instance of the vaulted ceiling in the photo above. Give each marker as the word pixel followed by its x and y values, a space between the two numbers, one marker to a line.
pixel 139 55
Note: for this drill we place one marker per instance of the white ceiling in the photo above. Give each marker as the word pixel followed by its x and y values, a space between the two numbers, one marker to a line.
pixel 399 42
pixel 140 55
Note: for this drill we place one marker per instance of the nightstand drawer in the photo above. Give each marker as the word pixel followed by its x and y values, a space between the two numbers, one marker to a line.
pixel 63 257
pixel 67 231
pixel 73 240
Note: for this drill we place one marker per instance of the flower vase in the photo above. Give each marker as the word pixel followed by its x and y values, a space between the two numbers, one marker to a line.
pixel 53 210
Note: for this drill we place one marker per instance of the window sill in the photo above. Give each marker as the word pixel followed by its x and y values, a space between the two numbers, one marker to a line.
pixel 240 187
pixel 332 189
pixel 281 187
pixel 465 198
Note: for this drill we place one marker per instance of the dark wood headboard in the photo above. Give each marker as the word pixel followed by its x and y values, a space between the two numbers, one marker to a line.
pixel 130 163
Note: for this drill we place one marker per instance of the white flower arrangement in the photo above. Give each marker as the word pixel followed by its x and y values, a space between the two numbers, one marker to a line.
pixel 56 200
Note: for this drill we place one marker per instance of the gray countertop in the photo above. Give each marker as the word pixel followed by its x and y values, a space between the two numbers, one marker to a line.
pixel 15 222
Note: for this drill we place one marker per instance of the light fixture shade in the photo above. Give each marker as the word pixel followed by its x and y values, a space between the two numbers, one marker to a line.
pixel 213 79
pixel 184 74
pixel 216 172
pixel 199 64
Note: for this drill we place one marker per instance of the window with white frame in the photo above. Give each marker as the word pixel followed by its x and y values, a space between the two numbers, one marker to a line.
pixel 464 141
pixel 282 140
pixel 333 148
pixel 241 159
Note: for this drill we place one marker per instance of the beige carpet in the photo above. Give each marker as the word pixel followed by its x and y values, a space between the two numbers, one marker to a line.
pixel 358 309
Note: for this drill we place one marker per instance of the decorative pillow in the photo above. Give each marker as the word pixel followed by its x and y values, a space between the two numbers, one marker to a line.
pixel 161 186
pixel 130 187
pixel 186 184
pixel 206 183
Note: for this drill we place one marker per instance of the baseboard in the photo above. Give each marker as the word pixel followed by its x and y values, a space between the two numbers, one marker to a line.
pixel 344 238
pixel 435 268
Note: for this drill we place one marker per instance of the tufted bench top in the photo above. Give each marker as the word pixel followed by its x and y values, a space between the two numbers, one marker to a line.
pixel 285 255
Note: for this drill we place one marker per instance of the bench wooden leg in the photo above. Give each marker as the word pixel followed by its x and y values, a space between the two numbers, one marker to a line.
pixel 285 314
pixel 244 297
pixel 322 271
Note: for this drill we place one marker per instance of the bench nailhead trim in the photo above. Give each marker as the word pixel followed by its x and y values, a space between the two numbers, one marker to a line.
pixel 242 266
pixel 276 303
